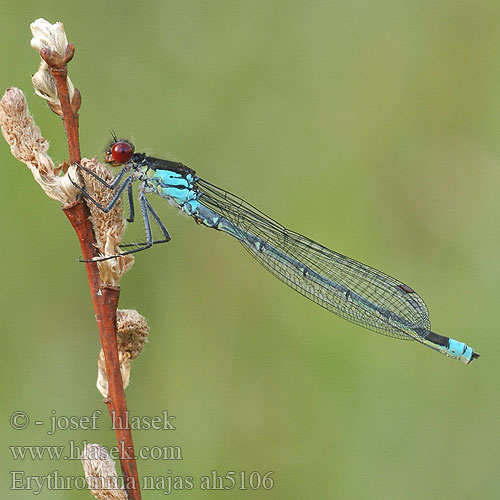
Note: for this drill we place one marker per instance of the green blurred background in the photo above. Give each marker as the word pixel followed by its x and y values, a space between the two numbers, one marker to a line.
pixel 372 127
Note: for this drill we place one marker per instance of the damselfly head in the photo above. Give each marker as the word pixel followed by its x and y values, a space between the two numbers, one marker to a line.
pixel 119 152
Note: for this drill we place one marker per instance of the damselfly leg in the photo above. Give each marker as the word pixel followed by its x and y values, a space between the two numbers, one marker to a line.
pixel 131 210
pixel 146 210
pixel 112 186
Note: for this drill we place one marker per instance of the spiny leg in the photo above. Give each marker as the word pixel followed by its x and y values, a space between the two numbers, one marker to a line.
pixel 113 201
pixel 115 182
pixel 145 205
pixel 158 221
pixel 146 208
pixel 147 225
pixel 131 210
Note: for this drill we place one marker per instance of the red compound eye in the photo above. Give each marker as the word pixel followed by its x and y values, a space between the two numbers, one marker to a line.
pixel 122 151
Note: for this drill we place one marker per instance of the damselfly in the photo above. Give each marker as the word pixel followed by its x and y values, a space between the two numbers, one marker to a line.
pixel 348 288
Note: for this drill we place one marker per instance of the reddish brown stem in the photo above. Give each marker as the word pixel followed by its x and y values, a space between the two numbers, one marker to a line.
pixel 70 118
pixel 117 406
pixel 104 298
pixel 105 302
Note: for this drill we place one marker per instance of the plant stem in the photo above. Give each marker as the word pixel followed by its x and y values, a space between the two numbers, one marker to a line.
pixel 104 298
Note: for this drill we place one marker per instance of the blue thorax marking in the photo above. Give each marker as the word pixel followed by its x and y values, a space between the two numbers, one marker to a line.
pixel 175 186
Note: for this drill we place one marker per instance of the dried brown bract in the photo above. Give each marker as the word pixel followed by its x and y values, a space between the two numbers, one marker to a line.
pixel 132 333
pixel 29 146
pixel 100 473
pixel 51 42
